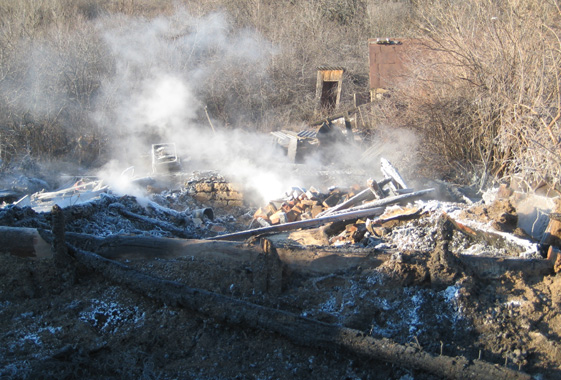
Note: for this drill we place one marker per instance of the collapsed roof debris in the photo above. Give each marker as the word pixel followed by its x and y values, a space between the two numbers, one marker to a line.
pixel 299 145
pixel 382 261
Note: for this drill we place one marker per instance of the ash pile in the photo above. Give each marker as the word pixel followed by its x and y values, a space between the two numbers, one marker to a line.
pixel 425 287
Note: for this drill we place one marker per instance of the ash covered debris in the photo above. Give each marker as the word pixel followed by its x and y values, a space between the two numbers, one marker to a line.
pixel 387 275
pixel 166 210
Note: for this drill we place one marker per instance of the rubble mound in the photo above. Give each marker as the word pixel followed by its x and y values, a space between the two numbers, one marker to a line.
pixel 161 287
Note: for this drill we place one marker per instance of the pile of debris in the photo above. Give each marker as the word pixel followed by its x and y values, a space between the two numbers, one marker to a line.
pixel 384 271
pixel 306 208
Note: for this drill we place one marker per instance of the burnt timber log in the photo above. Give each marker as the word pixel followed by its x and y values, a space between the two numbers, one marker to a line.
pixel 151 221
pixel 496 239
pixel 36 244
pixel 127 247
pixel 310 223
pixel 365 195
pixel 263 262
pixel 300 330
pixel 325 260
pixel 24 242
pixel 297 258
pixel 389 200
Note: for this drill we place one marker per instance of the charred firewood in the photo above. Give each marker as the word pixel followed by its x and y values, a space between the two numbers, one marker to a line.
pixel 300 224
pixel 63 260
pixel 151 221
pixel 301 330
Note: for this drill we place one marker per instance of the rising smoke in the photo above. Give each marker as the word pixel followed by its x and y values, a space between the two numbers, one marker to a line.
pixel 166 67
pixel 162 75
pixel 163 69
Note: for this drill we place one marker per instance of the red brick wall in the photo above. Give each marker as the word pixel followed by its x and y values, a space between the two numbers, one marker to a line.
pixel 386 61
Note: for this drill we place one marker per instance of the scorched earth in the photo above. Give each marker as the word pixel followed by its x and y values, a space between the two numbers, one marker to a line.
pixel 442 285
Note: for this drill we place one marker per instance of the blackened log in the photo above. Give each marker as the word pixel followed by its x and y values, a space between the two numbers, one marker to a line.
pixel 310 223
pixel 165 226
pixel 389 200
pixel 24 242
pixel 298 329
pixel 373 191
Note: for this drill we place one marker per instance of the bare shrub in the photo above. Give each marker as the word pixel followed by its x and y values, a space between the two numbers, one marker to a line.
pixel 50 73
pixel 486 91
pixel 53 62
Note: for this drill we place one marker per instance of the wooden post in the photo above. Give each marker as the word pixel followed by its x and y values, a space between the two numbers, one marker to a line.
pixel 552 235
pixel 64 262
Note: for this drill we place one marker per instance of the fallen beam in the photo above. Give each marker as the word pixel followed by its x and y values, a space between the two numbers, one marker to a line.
pixel 391 172
pixel 390 200
pixel 513 243
pixel 301 330
pixel 365 195
pixel 297 258
pixel 262 264
pixel 24 242
pixel 310 223
pixel 127 247
pixel 151 221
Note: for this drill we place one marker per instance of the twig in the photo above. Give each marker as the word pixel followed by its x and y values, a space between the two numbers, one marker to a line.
pixel 209 121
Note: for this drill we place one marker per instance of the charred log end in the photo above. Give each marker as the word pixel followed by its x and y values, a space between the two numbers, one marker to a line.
pixel 552 236
pixel 445 268
pixel 273 269
pixel 554 257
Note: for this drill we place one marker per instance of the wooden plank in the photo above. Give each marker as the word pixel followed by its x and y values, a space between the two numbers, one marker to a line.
pixel 390 171
pixel 391 200
pixel 310 223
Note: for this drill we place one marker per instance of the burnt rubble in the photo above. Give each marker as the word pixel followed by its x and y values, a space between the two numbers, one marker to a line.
pixel 401 276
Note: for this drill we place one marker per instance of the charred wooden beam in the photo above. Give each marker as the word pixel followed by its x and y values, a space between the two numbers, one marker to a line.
pixel 300 330
pixel 365 195
pixel 300 224
pixel 127 247
pixel 64 262
pixel 390 171
pixel 24 242
pixel 151 221
pixel 390 200
pixel 497 239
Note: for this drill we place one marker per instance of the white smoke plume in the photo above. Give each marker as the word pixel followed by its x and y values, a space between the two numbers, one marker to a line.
pixel 161 68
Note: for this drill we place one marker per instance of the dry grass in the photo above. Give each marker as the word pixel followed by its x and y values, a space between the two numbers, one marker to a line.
pixel 485 90
pixel 483 94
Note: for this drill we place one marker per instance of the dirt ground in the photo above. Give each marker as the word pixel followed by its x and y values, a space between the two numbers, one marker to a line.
pixel 404 283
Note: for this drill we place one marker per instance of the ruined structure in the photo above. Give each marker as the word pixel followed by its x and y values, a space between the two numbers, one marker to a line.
pixel 328 88
pixel 386 62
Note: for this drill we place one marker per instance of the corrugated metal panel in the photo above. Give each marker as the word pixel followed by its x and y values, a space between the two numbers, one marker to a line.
pixel 308 134
pixel 321 68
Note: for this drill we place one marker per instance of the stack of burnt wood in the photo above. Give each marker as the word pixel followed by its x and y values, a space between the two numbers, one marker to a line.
pixel 308 208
